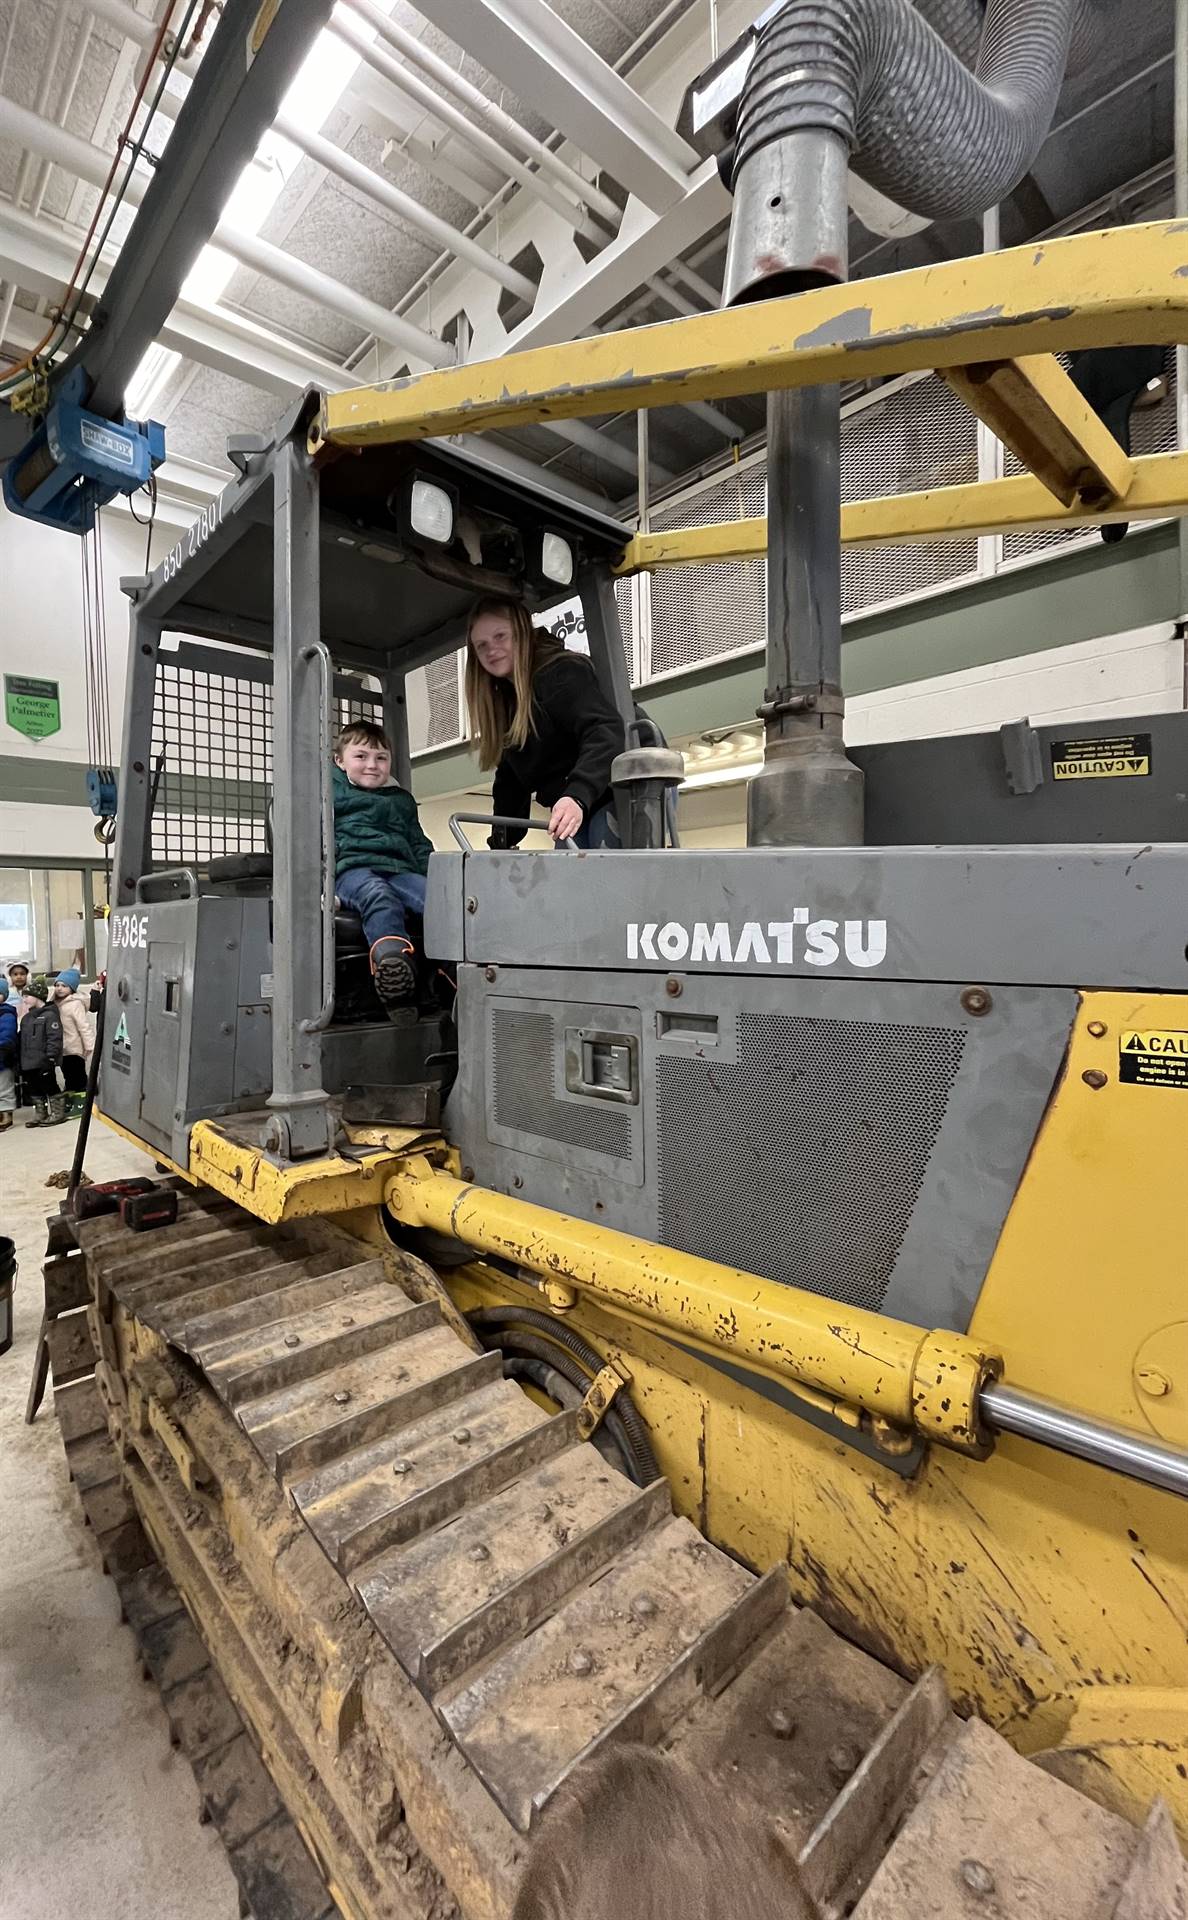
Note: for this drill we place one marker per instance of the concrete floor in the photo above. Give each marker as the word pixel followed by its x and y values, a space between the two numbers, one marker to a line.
pixel 98 1816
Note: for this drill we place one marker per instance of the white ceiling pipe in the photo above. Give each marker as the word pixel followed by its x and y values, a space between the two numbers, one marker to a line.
pixel 681 270
pixel 410 83
pixel 38 257
pixel 81 49
pixel 25 171
pixel 90 163
pixel 435 68
pixel 366 314
pixel 138 28
pixel 386 194
pixel 600 444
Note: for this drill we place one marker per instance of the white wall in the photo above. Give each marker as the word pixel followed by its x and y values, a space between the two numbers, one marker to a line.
pixel 1120 675
pixel 41 633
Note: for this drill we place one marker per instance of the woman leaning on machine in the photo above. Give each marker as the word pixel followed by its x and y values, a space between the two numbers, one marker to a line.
pixel 539 717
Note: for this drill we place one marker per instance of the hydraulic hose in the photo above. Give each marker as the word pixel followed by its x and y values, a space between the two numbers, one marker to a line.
pixel 557 1386
pixel 622 1419
pixel 522 1351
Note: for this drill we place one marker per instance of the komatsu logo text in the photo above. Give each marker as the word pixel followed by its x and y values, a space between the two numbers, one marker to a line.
pixel 775 943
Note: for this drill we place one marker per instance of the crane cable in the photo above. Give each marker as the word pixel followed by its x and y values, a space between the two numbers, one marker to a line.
pixel 98 689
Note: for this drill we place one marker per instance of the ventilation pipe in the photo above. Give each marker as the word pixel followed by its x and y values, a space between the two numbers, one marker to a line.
pixel 871 81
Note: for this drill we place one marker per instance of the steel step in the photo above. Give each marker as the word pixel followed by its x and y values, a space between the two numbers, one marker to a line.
pixel 420 1477
pixel 205 1334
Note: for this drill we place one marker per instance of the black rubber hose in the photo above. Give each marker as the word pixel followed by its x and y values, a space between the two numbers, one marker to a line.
pixel 557 1386
pixel 516 1345
pixel 624 1415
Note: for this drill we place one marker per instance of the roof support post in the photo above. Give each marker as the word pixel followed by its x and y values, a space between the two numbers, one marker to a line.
pixel 301 1123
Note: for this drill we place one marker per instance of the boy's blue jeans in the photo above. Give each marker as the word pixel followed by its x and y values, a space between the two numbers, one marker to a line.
pixel 381 900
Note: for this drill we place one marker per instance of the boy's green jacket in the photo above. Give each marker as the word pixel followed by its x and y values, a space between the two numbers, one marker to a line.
pixel 377 827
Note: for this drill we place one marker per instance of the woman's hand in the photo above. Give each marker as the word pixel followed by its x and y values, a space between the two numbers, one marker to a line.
pixel 565 819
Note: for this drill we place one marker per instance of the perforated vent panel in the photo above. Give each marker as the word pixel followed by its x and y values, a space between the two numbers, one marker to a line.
pixel 804 1161
pixel 920 435
pixel 524 1061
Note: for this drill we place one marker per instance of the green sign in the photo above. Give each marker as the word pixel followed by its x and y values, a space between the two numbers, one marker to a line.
pixel 32 707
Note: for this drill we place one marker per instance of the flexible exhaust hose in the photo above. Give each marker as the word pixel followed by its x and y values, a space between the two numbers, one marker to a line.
pixel 941 140
pixel 959 23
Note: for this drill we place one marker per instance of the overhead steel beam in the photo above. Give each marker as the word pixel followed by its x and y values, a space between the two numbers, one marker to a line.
pixel 439 152
pixel 348 28
pixel 502 125
pixel 602 447
pixel 1158 491
pixel 253 56
pixel 1096 289
pixel 386 193
pixel 644 244
pixel 551 67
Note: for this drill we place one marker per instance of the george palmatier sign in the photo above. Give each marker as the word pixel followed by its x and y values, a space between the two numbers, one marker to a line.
pixel 796 941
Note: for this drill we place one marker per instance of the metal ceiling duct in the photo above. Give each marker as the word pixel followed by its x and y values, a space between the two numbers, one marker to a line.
pixel 873 79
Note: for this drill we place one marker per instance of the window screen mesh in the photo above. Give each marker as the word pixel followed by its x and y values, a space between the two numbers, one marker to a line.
pixel 435 705
pixel 918 435
pixel 212 761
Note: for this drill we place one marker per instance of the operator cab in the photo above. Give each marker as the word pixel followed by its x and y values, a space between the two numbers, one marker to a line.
pixel 322 583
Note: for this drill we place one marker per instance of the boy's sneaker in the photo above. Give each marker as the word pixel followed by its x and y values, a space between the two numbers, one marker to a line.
pixel 395 977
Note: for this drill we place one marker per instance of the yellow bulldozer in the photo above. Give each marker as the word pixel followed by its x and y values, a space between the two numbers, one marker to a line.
pixel 751 1319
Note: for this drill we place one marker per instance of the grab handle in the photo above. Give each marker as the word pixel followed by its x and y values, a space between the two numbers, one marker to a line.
pixel 325 1014
pixel 167 874
pixel 458 820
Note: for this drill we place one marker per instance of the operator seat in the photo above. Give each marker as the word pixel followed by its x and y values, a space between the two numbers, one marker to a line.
pixel 355 998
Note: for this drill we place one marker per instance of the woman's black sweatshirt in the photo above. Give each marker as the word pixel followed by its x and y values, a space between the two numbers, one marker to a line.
pixel 576 734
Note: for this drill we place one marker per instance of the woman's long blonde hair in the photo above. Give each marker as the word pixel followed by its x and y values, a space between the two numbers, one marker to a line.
pixel 501 710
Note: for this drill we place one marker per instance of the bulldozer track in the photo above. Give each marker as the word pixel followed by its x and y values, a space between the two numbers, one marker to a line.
pixel 275 1876
pixel 432 1600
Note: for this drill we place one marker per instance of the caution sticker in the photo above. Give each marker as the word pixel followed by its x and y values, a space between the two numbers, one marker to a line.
pixel 1154 1058
pixel 1125 756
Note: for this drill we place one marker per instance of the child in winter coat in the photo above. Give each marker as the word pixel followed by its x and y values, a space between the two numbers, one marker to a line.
pixel 381 856
pixel 41 1050
pixel 8 1058
pixel 78 1036
pixel 19 993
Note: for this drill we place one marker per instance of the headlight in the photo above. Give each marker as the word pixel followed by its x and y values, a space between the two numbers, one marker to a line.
pixel 431 512
pixel 556 560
